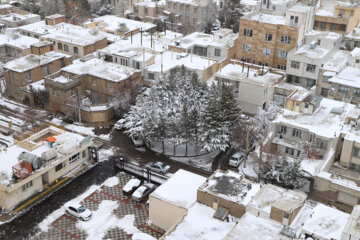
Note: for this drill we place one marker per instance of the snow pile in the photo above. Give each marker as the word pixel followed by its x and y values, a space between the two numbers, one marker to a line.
pixel 111 182
pixel 104 219
pixel 200 225
pixel 142 236
pixel 180 189
pixel 326 222
pixel 251 227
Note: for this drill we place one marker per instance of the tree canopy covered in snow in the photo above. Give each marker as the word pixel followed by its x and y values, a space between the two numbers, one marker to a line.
pixel 183 110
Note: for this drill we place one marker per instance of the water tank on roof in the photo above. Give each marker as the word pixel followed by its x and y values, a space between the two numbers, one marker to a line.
pixel 35 161
pixel 49 154
pixel 67 147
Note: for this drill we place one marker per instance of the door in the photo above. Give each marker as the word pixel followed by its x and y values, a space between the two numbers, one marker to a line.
pixel 285 220
pixel 45 179
pixel 215 203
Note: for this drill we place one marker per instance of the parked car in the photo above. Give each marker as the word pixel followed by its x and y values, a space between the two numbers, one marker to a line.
pixel 119 124
pixel 236 159
pixel 78 211
pixel 131 186
pixel 158 167
pixel 143 192
pixel 138 142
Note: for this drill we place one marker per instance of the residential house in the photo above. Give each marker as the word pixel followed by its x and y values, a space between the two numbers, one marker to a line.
pixel 174 197
pixel 304 62
pixel 148 10
pixel 254 88
pixel 266 36
pixel 282 90
pixel 96 81
pixel 13 44
pixel 40 160
pixel 337 16
pixel 352 39
pixel 22 72
pixel 190 15
pixel 14 17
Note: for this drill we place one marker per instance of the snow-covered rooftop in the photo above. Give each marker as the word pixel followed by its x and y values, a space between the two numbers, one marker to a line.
pixel 352 225
pixel 14 39
pixel 101 69
pixel 199 224
pixel 180 189
pixel 73 34
pixel 236 72
pixel 250 227
pixel 315 53
pixel 338 61
pixel 31 61
pixel 38 28
pixel 354 34
pixel 270 19
pixel 272 196
pixel 355 52
pixel 322 122
pixel 205 40
pixel 112 22
pixel 325 222
pixel 16 17
pixel 231 186
pixel 349 76
pixel 326 8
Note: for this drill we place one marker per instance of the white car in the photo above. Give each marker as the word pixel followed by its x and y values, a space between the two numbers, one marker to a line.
pixel 236 159
pixel 131 186
pixel 143 192
pixel 119 124
pixel 138 142
pixel 78 211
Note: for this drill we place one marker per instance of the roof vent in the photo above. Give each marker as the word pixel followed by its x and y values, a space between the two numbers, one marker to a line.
pixel 313 44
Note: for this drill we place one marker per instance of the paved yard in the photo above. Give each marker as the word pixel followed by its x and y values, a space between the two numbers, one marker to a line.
pixel 65 226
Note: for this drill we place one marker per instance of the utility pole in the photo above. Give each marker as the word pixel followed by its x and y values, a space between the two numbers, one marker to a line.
pixel 247 145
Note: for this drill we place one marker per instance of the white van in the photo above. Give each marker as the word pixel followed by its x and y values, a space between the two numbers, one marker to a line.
pixel 236 159
pixel 138 142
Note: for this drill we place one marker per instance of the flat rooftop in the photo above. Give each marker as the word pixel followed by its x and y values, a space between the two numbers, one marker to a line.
pixel 112 23
pixel 349 76
pixel 203 39
pixel 31 61
pixel 315 53
pixel 16 40
pixel 180 189
pixel 231 186
pixel 101 69
pixel 354 34
pixel 270 19
pixel 338 61
pixel 272 196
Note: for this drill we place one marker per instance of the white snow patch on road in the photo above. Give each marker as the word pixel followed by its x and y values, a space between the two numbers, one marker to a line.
pixel 45 224
pixel 142 236
pixel 105 153
pixel 104 219
pixel 111 182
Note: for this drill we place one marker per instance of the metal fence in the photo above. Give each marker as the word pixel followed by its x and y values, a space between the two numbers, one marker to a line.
pixel 124 165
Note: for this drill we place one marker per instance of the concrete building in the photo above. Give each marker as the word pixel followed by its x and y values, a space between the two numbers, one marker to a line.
pixel 96 81
pixel 304 62
pixel 229 191
pixel 14 17
pixel 13 44
pixel 39 161
pixel 267 35
pixel 190 15
pixel 174 197
pixel 352 39
pixel 337 16
pixel 254 87
pixel 351 230
pixel 29 71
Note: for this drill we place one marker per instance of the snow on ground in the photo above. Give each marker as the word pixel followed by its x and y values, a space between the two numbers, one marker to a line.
pixel 249 170
pixel 104 153
pixel 180 189
pixel 104 219
pixel 142 236
pixel 45 224
pixel 111 182
pixel 312 166
pixel 251 227
pixel 199 224
pixel 180 150
pixel 302 216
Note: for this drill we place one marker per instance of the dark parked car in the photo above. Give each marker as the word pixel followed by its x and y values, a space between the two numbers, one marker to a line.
pixel 158 167
pixel 143 192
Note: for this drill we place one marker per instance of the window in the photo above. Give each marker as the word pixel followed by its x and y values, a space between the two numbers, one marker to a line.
pixel 297 104
pixel 282 54
pixel 74 92
pixel 306 105
pixel 209 71
pixel 295 64
pixel 151 76
pixel 266 52
pixel 187 7
pixel 294 20
pixel 66 48
pixel 146 10
pixel 248 32
pixel 283 129
pixel 342 27
pixel 26 186
pixel 322 144
pixel 83 154
pixel 14 76
pixel 281 67
pixel 28 76
pixel 181 7
pixel 289 151
pixel 322 25
pixel 60 46
pixel 333 26
pixel 93 82
pixel 341 11
pixel 74 158
pixel 174 5
pixel 58 167
pixel 285 39
pixel 286 215
pixel 356 152
pixel 343 89
pixel 136 65
pixel 46 70
pixel 217 52
pixel 356 92
pixel 268 37
pixel 62 62
pixel 324 92
pixel 55 93
pixel 195 10
pixel 76 50
pixel 310 68
pixel 246 47
pixel 195 21
pixel 296 133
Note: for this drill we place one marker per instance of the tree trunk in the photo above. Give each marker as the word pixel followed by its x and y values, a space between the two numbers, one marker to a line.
pixel 174 150
pixel 163 146
pixel 247 147
pixel 186 150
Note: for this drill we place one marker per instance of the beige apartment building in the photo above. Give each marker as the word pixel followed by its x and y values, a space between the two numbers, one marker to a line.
pixel 266 38
pixel 30 70
pixel 337 16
